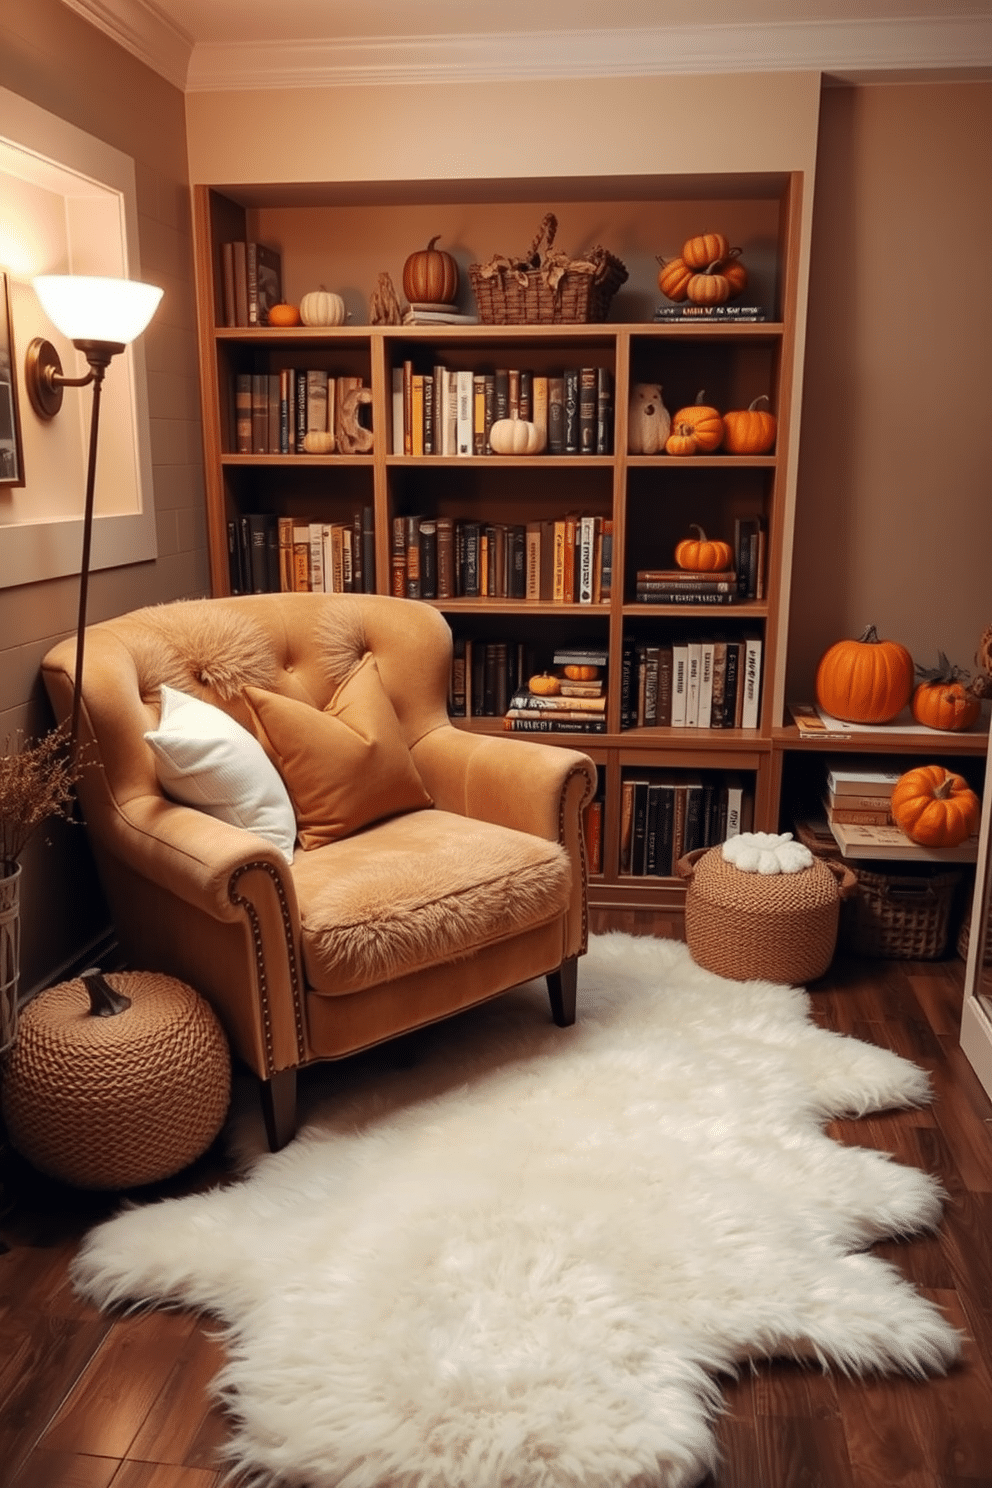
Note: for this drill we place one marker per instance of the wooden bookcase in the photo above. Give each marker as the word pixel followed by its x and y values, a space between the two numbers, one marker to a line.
pixel 650 499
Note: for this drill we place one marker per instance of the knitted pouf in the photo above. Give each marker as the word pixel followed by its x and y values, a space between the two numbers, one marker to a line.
pixel 116 1081
pixel 764 927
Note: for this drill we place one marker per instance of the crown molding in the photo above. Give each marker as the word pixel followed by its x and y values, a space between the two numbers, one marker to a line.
pixel 844 50
pixel 143 31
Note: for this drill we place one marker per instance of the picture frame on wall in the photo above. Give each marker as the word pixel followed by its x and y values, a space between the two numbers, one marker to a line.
pixel 11 452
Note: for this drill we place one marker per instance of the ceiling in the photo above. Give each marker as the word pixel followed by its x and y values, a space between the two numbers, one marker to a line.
pixel 202 45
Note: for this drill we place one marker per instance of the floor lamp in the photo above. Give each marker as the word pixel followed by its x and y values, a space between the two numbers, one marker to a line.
pixel 100 317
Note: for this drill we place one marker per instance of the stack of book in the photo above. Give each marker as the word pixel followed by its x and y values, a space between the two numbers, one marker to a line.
pixel 275 411
pixel 252 283
pixel 665 814
pixel 269 554
pixel 450 411
pixel 857 802
pixel 686 586
pixel 428 312
pixel 729 311
pixel 568 559
pixel 579 706
pixel 691 681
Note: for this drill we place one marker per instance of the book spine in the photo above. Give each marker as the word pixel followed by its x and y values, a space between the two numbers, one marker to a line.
pixel 242 414
pixel 571 401
pixel 398 559
pixel 465 413
pixel 587 410
pixel 554 726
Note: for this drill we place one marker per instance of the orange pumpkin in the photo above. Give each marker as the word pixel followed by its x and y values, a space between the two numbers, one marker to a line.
pixel 709 287
pixel 750 430
pixel 544 685
pixel 935 807
pixel 430 276
pixel 681 441
pixel 945 705
pixel 705 249
pixel 864 681
pixel 702 422
pixel 673 277
pixel 284 315
pixel 576 672
pixel 734 272
pixel 703 553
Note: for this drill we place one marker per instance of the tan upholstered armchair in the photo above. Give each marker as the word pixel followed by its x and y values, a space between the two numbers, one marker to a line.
pixel 434 868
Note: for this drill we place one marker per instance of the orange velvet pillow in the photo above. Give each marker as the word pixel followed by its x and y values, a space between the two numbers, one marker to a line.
pixel 344 767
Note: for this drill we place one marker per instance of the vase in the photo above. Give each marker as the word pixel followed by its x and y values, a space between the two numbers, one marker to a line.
pixel 10 951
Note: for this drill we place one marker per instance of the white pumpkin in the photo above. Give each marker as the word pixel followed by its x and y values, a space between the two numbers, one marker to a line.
pixel 318 442
pixel 322 308
pixel 648 421
pixel 516 437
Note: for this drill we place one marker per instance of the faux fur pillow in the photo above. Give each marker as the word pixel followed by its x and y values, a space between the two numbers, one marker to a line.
pixel 344 767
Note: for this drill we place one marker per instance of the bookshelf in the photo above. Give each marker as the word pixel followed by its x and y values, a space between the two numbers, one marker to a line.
pixel 650 500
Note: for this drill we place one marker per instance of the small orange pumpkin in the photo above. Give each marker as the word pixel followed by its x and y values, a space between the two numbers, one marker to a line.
pixel 935 807
pixel 284 315
pixel 702 422
pixel 708 287
pixel 703 553
pixel 681 441
pixel 705 249
pixel 750 430
pixel 941 701
pixel 581 672
pixel 673 277
pixel 544 685
pixel 734 272
pixel 867 680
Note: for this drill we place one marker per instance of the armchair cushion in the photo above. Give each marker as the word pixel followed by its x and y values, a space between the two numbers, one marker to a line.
pixel 204 758
pixel 420 890
pixel 344 766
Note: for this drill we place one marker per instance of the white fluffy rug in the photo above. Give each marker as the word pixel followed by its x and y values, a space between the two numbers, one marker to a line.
pixel 523 1262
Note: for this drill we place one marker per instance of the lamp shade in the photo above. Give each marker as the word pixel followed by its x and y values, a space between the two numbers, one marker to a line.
pixel 86 307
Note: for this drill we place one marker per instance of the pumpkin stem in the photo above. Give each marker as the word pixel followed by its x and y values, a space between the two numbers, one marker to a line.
pixel 104 1001
pixel 944 789
pixel 695 527
pixel 869 637
pixel 761 398
pixel 944 671
pixel 433 240
pixel 701 396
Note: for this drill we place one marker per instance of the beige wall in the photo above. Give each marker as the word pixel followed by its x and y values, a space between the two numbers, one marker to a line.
pixel 894 515
pixel 57 61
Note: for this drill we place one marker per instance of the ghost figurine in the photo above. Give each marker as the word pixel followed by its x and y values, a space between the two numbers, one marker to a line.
pixel 648 420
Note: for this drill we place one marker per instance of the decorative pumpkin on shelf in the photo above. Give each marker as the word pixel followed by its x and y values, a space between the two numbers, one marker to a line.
pixel 648 420
pixel 867 680
pixel 709 286
pixel 702 423
pixel 319 442
pixel 430 276
pixel 544 685
pixel 704 554
pixel 321 307
pixel 734 272
pixel 941 701
pixel 283 315
pixel 577 671
pixel 706 248
pixel 673 278
pixel 517 437
pixel 935 807
pixel 681 441
pixel 750 430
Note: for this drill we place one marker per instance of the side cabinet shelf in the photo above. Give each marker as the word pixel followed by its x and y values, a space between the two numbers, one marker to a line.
pixel 380 496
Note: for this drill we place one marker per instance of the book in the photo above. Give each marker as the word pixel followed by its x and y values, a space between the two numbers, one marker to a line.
pixel 242 414
pixel 857 816
pixel 239 261
pixel 857 840
pixel 540 725
pixel 727 311
pixel 677 595
pixel 592 823
pixel 849 777
pixel 751 680
pixel 263 266
pixel 850 802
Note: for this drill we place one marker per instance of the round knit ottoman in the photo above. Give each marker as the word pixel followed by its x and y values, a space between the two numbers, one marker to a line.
pixel 116 1081
pixel 763 925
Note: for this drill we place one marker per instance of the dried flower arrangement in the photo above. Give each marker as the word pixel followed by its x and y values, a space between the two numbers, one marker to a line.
pixel 36 783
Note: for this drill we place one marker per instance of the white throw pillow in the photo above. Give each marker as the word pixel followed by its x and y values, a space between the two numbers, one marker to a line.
pixel 204 758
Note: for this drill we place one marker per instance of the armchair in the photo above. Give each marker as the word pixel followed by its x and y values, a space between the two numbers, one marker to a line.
pixel 430 874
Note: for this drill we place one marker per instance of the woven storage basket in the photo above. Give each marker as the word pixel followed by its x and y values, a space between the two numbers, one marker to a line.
pixel 116 1100
pixel 899 916
pixel 779 927
pixel 964 935
pixel 546 287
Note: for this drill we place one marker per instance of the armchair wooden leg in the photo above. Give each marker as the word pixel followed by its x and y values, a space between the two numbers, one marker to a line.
pixel 279 1108
pixel 561 990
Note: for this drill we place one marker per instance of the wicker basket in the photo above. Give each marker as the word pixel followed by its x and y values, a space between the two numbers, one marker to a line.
pixel 764 927
pixel 964 935
pixel 546 287
pixel 899 916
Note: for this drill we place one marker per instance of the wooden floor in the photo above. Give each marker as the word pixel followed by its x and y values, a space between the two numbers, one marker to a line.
pixel 90 1401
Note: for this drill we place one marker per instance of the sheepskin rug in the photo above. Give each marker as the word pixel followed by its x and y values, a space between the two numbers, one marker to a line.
pixel 525 1260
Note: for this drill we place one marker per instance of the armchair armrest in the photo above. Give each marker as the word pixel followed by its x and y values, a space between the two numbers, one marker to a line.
pixel 511 782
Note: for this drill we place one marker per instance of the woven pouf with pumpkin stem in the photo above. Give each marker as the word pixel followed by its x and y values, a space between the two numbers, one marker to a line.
pixel 116 1081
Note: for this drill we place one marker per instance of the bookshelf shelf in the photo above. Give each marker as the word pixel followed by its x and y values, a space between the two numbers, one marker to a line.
pixel 645 502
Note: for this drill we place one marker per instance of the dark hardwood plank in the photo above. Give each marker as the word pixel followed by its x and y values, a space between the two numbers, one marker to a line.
pixel 65 1470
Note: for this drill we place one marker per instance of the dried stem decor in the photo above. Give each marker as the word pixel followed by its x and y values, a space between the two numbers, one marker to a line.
pixel 36 783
